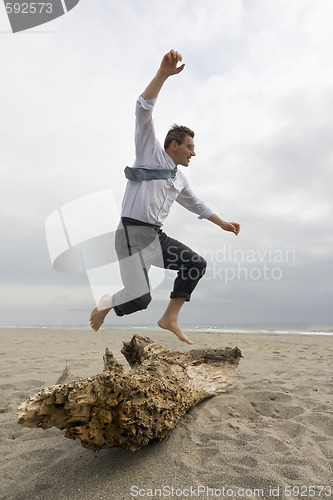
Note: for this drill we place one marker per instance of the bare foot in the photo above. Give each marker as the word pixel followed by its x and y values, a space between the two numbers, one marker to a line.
pixel 101 310
pixel 173 326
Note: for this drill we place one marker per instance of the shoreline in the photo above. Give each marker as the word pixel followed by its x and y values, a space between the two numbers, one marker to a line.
pixel 278 329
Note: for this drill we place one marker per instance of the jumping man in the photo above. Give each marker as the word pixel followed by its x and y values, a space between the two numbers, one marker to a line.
pixel 154 183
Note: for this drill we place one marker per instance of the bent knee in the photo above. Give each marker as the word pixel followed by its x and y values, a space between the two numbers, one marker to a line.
pixel 201 265
pixel 198 269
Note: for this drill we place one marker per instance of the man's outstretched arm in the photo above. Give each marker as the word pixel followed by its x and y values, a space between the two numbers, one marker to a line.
pixel 169 66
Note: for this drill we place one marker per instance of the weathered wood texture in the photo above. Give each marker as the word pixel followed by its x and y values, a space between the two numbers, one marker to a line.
pixel 130 409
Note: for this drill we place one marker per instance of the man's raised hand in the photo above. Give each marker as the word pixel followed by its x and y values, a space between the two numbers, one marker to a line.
pixel 169 65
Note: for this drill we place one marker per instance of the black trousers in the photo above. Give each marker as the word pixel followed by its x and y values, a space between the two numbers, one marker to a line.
pixel 139 246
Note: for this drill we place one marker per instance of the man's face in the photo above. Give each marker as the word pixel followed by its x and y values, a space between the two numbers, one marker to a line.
pixel 184 152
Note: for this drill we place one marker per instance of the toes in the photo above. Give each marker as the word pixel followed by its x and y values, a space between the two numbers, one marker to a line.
pixel 176 329
pixel 93 314
pixel 95 321
pixel 96 326
pixel 185 339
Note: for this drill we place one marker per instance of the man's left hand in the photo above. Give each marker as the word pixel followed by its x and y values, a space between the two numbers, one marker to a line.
pixel 233 227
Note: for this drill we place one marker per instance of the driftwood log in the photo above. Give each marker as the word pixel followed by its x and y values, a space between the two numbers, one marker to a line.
pixel 130 409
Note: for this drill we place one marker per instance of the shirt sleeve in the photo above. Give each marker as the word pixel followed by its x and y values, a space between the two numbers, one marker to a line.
pixel 188 199
pixel 145 137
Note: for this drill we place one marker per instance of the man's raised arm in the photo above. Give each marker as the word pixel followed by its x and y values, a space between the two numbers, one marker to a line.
pixel 169 66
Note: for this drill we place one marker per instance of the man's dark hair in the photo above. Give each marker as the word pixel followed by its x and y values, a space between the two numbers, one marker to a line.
pixel 177 133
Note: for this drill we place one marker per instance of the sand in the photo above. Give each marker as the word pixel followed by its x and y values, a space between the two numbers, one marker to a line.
pixel 272 431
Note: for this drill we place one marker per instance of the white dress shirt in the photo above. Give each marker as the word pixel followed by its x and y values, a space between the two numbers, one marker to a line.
pixel 150 201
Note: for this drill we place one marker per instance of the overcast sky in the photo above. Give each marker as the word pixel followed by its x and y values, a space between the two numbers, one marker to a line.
pixel 258 91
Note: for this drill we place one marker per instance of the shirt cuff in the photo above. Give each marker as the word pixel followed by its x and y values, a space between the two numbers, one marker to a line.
pixel 206 214
pixel 146 104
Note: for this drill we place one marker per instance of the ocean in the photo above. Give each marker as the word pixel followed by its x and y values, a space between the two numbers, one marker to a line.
pixel 264 328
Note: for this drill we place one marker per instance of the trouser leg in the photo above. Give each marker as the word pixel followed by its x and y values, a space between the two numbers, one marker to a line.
pixel 137 247
pixel 190 266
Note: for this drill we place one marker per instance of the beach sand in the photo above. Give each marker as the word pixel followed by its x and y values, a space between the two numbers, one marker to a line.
pixel 273 430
